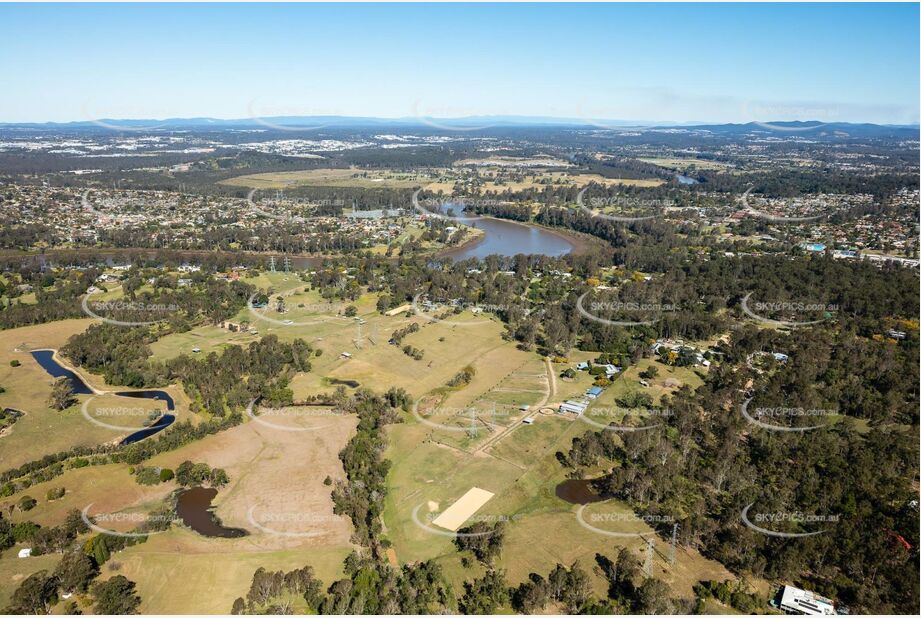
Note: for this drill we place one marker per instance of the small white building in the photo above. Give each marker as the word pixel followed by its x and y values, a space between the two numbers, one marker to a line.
pixel 574 407
pixel 25 552
pixel 805 603
pixel 610 370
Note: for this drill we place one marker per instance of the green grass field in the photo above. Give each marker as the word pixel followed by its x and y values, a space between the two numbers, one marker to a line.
pixel 27 387
pixel 180 573
pixel 14 569
pixel 348 177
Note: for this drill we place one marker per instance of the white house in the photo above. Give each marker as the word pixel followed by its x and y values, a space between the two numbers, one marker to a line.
pixel 610 370
pixel 805 603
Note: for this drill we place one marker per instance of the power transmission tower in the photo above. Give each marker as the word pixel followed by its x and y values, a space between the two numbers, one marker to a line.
pixel 473 429
pixel 372 336
pixel 650 550
pixel 287 264
pixel 358 338
pixel 674 543
pixel 272 263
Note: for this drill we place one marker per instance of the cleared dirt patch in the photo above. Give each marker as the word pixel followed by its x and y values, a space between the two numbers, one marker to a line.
pixel 462 510
pixel 277 465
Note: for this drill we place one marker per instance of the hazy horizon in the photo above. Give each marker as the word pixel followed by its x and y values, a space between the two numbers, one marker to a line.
pixel 654 63
pixel 409 121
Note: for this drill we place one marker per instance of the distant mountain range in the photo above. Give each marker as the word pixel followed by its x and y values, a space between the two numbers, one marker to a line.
pixel 472 123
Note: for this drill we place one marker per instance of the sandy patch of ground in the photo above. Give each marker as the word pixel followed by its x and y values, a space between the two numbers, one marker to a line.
pixel 277 465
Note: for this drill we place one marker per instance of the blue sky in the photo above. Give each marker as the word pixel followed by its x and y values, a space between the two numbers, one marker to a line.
pixel 660 62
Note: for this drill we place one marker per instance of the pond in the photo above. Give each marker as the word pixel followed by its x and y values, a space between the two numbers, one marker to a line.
pixel 578 491
pixel 161 423
pixel 45 358
pixel 193 507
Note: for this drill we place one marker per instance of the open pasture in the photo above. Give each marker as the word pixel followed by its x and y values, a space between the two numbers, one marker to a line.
pixel 340 177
